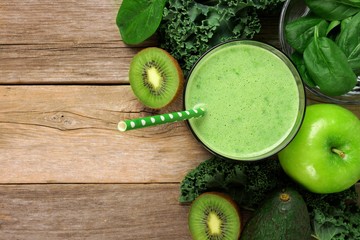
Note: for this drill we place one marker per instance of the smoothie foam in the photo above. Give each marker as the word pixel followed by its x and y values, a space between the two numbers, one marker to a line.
pixel 251 98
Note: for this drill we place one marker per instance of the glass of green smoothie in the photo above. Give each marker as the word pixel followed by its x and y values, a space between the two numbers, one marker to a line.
pixel 253 96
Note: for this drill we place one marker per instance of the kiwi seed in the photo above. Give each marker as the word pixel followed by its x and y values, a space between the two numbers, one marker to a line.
pixel 214 216
pixel 155 77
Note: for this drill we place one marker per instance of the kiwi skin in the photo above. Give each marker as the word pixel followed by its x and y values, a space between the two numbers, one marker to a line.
pixel 135 79
pixel 226 198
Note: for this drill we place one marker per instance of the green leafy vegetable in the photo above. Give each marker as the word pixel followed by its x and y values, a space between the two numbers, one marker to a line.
pixel 298 60
pixel 326 231
pixel 328 67
pixel 246 182
pixel 334 9
pixel 331 59
pixel 332 25
pixel 349 41
pixel 300 32
pixel 138 20
pixel 344 22
pixel 334 216
pixel 189 28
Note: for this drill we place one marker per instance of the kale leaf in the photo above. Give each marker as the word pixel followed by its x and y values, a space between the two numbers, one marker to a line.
pixel 189 28
pixel 246 182
pixel 334 216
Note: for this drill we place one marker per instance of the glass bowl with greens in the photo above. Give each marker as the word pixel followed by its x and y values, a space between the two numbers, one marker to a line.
pixel 323 41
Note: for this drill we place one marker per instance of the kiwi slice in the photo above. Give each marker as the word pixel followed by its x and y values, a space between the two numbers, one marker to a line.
pixel 214 216
pixel 155 77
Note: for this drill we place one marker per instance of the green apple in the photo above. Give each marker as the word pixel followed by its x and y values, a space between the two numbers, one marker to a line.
pixel 324 156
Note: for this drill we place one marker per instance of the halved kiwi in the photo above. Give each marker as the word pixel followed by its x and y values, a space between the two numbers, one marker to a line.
pixel 155 77
pixel 214 216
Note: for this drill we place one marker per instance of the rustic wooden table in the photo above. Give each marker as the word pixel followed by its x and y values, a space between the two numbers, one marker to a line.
pixel 65 171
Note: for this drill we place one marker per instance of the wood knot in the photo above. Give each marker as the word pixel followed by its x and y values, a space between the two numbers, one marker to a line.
pixel 62 120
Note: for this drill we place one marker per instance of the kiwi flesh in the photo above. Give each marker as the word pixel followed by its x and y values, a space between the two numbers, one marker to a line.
pixel 214 216
pixel 155 77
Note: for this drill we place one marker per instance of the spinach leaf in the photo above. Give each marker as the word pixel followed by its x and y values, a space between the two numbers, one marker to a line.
pixel 343 24
pixel 298 60
pixel 354 3
pixel 138 20
pixel 349 41
pixel 334 9
pixel 328 66
pixel 345 21
pixel 300 32
pixel 332 25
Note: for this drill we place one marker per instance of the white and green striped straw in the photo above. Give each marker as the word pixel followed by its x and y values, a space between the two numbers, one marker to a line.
pixel 160 119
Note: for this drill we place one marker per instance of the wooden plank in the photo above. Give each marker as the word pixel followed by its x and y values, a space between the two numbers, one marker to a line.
pixel 68 134
pixel 64 41
pixel 105 211
pixel 47 64
pixel 37 22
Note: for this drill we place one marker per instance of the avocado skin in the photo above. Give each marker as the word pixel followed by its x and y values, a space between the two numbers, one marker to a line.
pixel 279 220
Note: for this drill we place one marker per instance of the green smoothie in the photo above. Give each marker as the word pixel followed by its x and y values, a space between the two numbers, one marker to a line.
pixel 253 96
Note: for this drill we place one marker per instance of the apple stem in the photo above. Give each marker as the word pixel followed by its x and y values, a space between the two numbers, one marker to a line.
pixel 338 152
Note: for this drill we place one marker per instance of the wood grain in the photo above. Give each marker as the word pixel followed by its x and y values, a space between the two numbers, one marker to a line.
pixel 102 211
pixel 66 41
pixel 67 134
pixel 63 88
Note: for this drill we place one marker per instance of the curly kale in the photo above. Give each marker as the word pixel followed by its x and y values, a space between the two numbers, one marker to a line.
pixel 334 216
pixel 212 175
pixel 189 27
pixel 246 182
